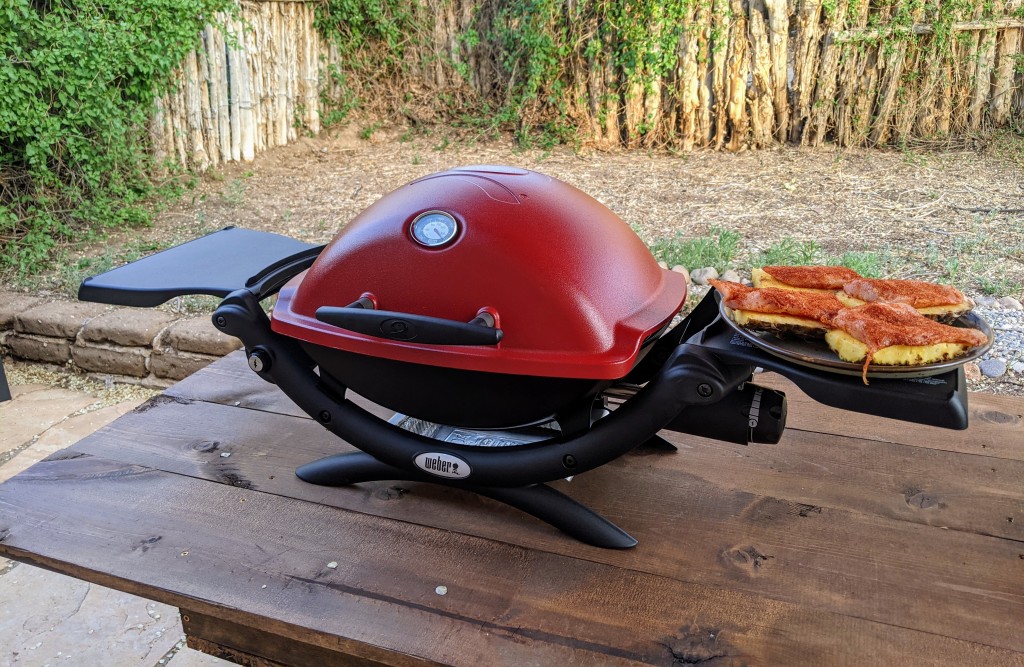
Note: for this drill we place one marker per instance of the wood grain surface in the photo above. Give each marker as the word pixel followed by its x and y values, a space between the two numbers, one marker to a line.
pixel 904 545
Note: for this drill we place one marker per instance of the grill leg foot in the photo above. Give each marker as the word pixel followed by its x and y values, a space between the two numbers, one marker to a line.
pixel 538 500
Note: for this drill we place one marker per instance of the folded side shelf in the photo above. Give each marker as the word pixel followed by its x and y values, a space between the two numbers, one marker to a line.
pixel 215 264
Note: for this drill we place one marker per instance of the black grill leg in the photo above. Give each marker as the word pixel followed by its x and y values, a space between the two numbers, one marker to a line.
pixel 538 500
pixel 5 390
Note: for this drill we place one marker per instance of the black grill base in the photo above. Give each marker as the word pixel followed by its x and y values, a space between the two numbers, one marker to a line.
pixel 470 399
pixel 538 500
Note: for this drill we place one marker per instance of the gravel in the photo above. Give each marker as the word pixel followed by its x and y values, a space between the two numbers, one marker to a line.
pixel 1010 303
pixel 1005 361
pixel 105 393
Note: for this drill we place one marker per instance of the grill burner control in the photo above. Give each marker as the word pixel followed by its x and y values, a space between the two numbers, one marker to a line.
pixel 434 229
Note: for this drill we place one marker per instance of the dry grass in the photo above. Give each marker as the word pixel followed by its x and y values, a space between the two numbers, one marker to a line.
pixel 955 215
pixel 949 215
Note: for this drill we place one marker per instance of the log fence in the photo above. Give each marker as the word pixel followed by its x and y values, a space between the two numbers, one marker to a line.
pixel 749 74
pixel 249 87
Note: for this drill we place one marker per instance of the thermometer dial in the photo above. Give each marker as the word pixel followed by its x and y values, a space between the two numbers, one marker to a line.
pixel 434 229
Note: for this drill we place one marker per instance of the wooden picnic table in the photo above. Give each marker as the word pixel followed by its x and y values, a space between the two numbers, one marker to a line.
pixel 855 540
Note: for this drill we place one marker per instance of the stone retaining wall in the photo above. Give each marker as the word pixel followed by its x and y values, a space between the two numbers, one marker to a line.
pixel 142 346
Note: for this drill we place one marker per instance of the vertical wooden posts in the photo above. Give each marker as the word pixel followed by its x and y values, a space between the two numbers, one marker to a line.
pixel 746 73
pixel 778 23
pixel 760 93
pixel 1003 81
pixel 247 88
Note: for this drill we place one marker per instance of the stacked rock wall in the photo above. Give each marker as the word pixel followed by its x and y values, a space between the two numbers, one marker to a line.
pixel 148 347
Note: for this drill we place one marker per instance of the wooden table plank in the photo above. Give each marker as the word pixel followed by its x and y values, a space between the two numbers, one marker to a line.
pixel 254 647
pixel 229 381
pixel 212 548
pixel 901 481
pixel 938 488
pixel 694 522
pixel 935 487
pixel 821 549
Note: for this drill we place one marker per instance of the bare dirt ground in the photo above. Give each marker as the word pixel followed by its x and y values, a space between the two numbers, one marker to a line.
pixel 953 216
pixel 922 209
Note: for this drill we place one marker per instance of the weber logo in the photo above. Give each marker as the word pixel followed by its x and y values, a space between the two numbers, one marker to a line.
pixel 442 465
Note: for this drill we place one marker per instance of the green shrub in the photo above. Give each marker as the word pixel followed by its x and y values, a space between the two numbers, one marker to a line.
pixel 867 263
pixel 716 249
pixel 372 37
pixel 788 252
pixel 79 80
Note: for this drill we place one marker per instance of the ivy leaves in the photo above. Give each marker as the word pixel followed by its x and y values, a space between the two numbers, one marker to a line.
pixel 79 80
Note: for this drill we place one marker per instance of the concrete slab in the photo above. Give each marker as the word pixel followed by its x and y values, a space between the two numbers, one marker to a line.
pixel 64 434
pixel 31 413
pixel 51 619
pixel 21 389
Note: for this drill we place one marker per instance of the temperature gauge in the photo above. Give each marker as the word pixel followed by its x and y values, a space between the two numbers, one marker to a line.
pixel 434 229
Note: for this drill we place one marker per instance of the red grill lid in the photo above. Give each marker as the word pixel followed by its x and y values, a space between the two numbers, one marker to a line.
pixel 573 289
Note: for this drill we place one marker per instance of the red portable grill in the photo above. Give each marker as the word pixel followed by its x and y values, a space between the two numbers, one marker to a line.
pixel 493 297
pixel 478 284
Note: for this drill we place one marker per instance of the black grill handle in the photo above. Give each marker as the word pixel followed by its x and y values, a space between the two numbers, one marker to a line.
pixel 410 328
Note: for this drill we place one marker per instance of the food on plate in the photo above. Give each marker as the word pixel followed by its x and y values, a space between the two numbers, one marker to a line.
pixel 779 310
pixel 863 320
pixel 809 278
pixel 940 302
pixel 896 334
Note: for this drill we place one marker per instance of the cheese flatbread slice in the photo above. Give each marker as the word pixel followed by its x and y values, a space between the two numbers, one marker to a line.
pixel 896 334
pixel 804 278
pixel 779 310
pixel 939 302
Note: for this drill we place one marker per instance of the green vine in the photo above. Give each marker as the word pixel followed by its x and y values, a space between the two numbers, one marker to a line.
pixel 558 71
pixel 79 81
pixel 541 39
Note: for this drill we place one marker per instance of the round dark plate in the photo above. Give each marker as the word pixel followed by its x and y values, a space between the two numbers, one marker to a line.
pixel 815 353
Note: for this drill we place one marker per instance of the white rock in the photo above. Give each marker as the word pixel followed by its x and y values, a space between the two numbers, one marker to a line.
pixel 731 276
pixel 1018 367
pixel 993 368
pixel 702 276
pixel 679 268
pixel 663 265
pixel 1010 303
